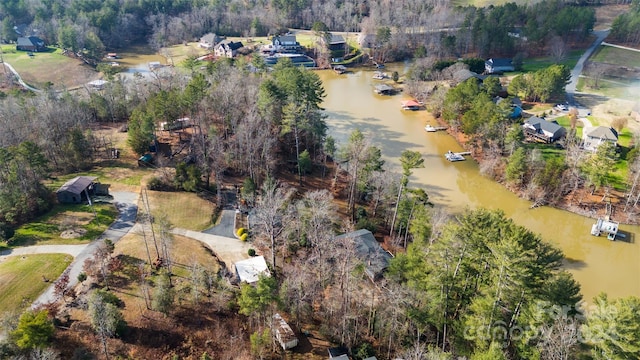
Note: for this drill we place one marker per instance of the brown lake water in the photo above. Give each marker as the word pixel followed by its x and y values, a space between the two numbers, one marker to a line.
pixel 598 264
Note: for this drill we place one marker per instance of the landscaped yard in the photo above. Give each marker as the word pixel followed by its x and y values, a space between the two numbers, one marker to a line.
pixel 21 278
pixel 66 224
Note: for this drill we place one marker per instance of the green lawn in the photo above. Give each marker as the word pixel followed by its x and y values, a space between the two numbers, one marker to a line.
pixel 616 56
pixel 539 63
pixel 21 278
pixel 119 173
pixel 47 228
pixel 564 122
pixel 48 67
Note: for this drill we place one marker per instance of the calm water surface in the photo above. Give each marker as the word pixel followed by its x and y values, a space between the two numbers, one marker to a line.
pixel 597 263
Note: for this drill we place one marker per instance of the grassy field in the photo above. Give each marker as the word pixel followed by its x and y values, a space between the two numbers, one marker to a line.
pixel 185 210
pixel 184 252
pixel 539 63
pixel 616 56
pixel 43 67
pixel 21 278
pixel 48 228
pixel 610 87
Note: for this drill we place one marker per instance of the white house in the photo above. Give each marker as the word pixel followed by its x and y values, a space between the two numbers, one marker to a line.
pixel 599 135
pixel 209 40
pixel 249 270
pixel 492 66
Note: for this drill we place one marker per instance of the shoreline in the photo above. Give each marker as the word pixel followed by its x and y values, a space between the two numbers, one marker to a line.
pixel 590 208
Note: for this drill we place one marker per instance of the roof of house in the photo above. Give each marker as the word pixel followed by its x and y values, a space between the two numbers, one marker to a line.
pixel 233 45
pixel 542 124
pixel 283 329
pixel 30 41
pixel 499 62
pixel 336 39
pixel 336 352
pixel 603 132
pixel 368 250
pixel 210 38
pixel 286 39
pixel 77 184
pixel 249 270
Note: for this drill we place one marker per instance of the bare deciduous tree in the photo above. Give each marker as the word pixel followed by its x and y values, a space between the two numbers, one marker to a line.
pixel 271 211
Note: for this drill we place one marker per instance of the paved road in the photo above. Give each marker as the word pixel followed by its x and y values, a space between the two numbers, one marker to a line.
pixel 126 204
pixel 577 70
pixel 20 81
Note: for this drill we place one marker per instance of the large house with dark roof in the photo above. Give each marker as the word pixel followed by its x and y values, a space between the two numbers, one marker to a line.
pixel 541 129
pixel 493 66
pixel 30 43
pixel 368 250
pixel 227 48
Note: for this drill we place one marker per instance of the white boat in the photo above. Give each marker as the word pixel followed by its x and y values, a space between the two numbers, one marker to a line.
pixel 451 156
pixel 430 128
pixel 378 75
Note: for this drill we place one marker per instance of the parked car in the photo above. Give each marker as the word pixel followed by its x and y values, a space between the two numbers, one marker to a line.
pixel 562 107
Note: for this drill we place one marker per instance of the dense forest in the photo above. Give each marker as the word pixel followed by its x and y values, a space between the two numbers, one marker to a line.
pixel 475 284
pixel 93 26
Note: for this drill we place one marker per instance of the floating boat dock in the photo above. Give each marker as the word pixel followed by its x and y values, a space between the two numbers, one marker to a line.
pixel 378 75
pixel 605 226
pixel 384 89
pixel 430 128
pixel 340 69
pixel 459 156
pixel 411 105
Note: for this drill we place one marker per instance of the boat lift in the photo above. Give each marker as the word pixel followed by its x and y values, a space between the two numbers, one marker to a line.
pixel 605 226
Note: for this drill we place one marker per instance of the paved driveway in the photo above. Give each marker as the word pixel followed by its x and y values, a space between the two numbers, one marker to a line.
pixel 228 249
pixel 126 203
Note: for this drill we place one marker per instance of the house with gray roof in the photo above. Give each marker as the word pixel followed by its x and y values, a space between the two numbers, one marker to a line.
pixel 209 40
pixel 287 42
pixel 543 130
pixel 30 43
pixel 598 136
pixel 493 66
pixel 368 250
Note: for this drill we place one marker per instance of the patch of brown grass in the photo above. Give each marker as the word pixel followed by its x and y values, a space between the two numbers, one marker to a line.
pixel 182 209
